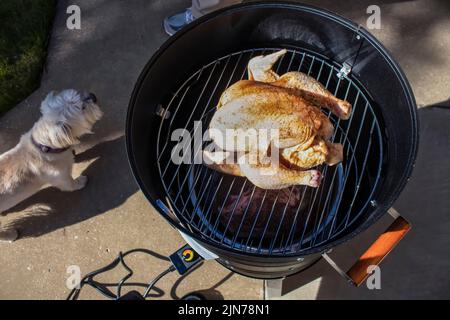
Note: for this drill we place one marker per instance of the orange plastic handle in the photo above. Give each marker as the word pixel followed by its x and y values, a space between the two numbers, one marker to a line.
pixel 379 250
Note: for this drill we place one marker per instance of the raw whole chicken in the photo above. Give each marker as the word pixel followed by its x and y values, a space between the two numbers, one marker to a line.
pixel 289 104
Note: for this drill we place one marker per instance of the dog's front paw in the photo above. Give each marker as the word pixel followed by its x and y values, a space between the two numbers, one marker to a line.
pixel 81 182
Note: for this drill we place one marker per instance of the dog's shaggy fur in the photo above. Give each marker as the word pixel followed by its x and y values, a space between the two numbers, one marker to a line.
pixel 28 168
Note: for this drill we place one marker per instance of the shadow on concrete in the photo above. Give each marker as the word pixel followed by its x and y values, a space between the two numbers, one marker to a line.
pixel 418 267
pixel 443 104
pixel 110 185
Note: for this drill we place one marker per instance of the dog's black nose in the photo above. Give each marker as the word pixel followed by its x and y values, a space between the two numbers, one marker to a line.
pixel 88 97
pixel 92 97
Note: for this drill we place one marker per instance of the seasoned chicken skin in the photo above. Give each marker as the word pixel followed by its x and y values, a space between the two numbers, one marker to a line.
pixel 288 103
pixel 319 152
pixel 263 106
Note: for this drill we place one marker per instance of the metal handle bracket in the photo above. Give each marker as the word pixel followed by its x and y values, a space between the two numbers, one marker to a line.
pixel 379 249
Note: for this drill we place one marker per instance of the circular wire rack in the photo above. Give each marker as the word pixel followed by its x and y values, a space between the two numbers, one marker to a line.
pixel 232 212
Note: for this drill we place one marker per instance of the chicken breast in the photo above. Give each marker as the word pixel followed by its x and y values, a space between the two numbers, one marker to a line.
pixel 267 107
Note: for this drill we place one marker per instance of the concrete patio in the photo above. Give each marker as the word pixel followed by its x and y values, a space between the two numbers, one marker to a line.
pixel 90 227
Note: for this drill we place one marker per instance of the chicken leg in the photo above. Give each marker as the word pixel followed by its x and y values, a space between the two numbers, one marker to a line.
pixel 275 176
pixel 264 173
pixel 260 69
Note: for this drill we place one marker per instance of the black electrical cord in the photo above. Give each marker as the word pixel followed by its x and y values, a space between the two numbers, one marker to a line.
pixel 154 281
pixel 102 289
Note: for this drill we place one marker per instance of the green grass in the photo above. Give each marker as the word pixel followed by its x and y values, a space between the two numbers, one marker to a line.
pixel 24 29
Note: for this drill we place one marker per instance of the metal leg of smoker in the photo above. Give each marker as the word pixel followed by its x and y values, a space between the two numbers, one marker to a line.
pixel 273 288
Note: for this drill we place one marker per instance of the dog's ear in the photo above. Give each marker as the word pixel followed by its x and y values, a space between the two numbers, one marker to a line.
pixel 61 135
pixel 67 133
pixel 65 126
pixel 47 102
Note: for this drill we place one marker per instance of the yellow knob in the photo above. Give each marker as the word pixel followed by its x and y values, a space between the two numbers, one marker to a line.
pixel 188 255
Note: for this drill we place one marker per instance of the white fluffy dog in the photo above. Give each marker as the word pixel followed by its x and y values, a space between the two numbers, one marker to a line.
pixel 44 155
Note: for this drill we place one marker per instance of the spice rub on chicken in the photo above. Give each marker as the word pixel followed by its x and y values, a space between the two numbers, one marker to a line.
pixel 289 104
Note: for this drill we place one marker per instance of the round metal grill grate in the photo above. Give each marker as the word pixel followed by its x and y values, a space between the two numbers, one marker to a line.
pixel 234 213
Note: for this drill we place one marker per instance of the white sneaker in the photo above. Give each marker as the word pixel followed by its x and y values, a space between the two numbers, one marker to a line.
pixel 177 21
